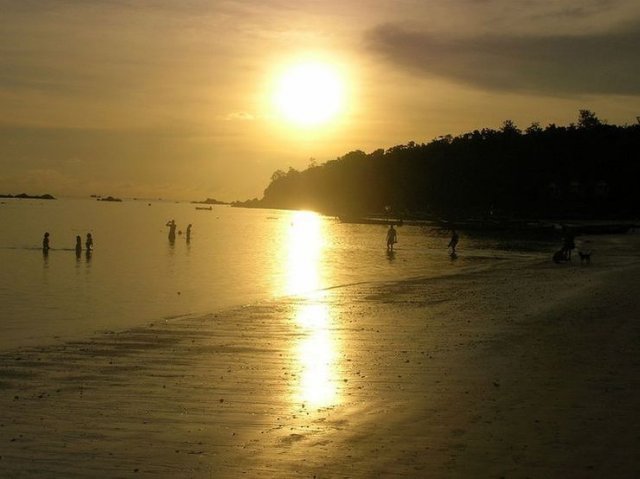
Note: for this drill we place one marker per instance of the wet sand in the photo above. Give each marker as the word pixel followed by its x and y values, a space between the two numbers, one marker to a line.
pixel 510 372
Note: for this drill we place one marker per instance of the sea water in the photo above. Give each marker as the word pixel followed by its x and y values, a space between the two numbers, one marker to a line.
pixel 136 275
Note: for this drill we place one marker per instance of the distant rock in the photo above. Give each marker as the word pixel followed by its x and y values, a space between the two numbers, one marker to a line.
pixel 24 196
pixel 210 201
pixel 254 203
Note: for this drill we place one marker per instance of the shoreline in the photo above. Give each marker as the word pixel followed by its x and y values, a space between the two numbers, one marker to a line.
pixel 484 374
pixel 80 332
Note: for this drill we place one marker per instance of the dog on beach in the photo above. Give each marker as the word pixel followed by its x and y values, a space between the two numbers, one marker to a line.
pixel 585 257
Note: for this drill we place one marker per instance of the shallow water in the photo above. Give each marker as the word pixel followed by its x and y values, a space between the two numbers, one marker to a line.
pixel 236 256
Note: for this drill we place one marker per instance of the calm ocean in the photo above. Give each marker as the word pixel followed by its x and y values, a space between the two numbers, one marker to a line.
pixel 235 257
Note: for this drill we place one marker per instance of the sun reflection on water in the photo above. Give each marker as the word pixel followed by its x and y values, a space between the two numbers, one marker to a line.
pixel 304 250
pixel 315 349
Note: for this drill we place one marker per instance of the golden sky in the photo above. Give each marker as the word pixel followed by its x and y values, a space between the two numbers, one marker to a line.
pixel 175 99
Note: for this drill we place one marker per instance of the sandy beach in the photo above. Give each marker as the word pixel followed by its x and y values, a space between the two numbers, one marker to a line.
pixel 506 372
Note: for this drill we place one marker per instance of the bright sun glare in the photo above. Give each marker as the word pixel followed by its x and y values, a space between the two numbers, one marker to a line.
pixel 310 94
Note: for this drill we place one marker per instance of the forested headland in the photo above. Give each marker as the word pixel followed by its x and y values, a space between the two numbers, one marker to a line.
pixel 589 169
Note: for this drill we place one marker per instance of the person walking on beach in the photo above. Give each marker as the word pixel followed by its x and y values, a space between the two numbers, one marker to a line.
pixel 392 237
pixel 454 242
pixel 78 246
pixel 172 230
pixel 89 242
pixel 45 243
pixel 569 244
pixel 189 233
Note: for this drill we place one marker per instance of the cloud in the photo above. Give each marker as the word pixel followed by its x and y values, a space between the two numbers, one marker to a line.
pixel 531 16
pixel 597 63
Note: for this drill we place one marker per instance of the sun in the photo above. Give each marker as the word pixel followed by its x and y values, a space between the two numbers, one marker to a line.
pixel 309 93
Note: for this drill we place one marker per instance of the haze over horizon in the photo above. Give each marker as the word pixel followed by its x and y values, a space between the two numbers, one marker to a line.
pixel 191 99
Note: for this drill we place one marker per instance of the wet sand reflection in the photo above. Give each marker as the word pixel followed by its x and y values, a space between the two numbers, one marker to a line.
pixel 316 356
pixel 315 347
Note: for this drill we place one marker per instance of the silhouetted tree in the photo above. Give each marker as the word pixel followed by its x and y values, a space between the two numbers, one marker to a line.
pixel 587 169
pixel 588 119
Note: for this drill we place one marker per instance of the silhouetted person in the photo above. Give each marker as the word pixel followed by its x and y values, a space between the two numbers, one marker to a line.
pixel 78 246
pixel 189 232
pixel 45 243
pixel 454 242
pixel 392 237
pixel 569 244
pixel 172 230
pixel 89 243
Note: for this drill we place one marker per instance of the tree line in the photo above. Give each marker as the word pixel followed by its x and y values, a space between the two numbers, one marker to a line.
pixel 589 169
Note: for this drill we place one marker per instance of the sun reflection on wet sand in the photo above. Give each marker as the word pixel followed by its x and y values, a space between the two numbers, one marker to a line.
pixel 315 347
pixel 316 354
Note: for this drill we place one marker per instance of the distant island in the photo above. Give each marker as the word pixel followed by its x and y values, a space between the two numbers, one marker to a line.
pixel 587 170
pixel 25 196
pixel 209 201
pixel 109 198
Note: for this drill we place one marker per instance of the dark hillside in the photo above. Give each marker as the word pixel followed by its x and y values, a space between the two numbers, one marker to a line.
pixel 589 169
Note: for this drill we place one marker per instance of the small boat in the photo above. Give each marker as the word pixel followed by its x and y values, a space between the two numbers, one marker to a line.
pixel 208 208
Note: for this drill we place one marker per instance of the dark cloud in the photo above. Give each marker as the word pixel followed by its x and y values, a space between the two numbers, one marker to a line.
pixel 547 10
pixel 553 64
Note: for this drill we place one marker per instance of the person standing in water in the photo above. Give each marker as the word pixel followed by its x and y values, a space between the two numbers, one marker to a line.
pixel 78 246
pixel 89 242
pixel 454 242
pixel 189 233
pixel 392 237
pixel 45 243
pixel 172 230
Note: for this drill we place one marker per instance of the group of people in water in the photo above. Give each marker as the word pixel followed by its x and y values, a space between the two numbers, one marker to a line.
pixel 172 231
pixel 88 244
pixel 392 238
